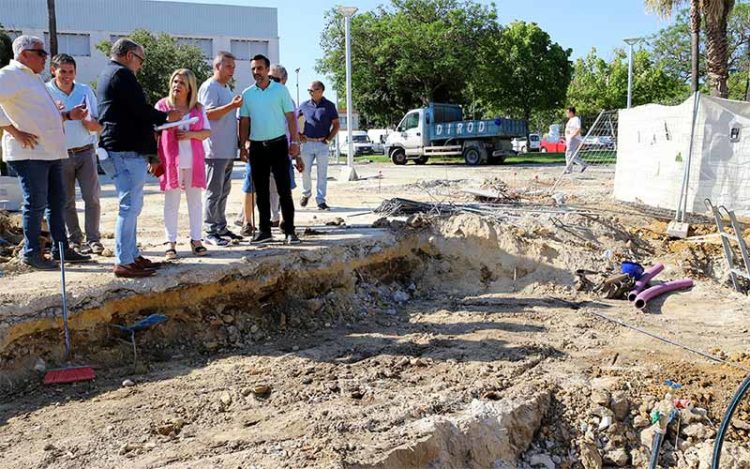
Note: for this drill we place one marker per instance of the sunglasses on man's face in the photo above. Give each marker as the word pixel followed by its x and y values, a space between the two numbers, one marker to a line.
pixel 312 90
pixel 276 79
pixel 40 52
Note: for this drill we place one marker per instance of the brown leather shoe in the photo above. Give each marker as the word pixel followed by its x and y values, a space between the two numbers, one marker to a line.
pixel 132 271
pixel 144 263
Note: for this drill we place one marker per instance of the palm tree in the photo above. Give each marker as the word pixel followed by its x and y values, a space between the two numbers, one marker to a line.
pixel 664 8
pixel 52 19
pixel 714 14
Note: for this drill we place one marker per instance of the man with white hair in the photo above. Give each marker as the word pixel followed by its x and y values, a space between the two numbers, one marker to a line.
pixel 279 74
pixel 34 147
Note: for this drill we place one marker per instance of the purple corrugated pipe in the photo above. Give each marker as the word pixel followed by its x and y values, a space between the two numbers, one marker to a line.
pixel 653 292
pixel 650 273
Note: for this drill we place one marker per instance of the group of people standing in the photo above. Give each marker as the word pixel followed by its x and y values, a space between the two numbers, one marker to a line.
pixel 189 140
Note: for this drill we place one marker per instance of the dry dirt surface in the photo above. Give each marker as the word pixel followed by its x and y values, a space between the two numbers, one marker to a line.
pixel 464 343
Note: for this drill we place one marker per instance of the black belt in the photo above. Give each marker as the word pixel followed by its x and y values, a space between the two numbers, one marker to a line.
pixel 266 143
pixel 75 151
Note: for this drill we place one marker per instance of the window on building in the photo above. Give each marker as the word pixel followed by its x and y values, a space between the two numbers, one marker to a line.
pixel 245 49
pixel 205 45
pixel 77 45
pixel 114 37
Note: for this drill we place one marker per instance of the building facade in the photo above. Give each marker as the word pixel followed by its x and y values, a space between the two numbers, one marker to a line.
pixel 81 24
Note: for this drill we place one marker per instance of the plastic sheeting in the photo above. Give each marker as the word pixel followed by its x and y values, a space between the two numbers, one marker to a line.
pixel 653 148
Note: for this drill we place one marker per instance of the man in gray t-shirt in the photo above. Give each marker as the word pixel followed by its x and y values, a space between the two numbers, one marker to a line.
pixel 221 147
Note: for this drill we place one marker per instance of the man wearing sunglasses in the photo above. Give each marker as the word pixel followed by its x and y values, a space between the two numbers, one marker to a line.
pixel 321 126
pixel 128 138
pixel 34 147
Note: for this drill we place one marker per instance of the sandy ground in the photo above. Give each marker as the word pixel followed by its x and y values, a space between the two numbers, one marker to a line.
pixel 489 318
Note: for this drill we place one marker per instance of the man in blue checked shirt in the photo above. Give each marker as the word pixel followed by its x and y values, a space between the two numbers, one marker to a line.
pixel 80 142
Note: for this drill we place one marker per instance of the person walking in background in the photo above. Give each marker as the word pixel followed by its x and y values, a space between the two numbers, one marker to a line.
pixel 183 160
pixel 80 138
pixel 279 74
pixel 128 138
pixel 573 140
pixel 266 108
pixel 221 147
pixel 34 147
pixel 321 126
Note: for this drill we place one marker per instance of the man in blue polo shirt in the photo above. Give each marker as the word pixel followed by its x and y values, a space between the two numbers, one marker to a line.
pixel 266 108
pixel 321 126
pixel 80 140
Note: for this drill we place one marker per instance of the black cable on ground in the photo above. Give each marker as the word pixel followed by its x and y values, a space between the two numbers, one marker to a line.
pixel 726 421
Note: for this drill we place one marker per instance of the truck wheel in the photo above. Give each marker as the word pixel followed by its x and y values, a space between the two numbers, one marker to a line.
pixel 543 150
pixel 398 156
pixel 472 156
pixel 422 160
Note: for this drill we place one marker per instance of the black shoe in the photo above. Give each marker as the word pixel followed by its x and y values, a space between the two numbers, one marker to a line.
pixel 261 237
pixel 247 230
pixel 71 256
pixel 323 206
pixel 39 263
pixel 303 200
pixel 292 239
pixel 215 240
pixel 232 236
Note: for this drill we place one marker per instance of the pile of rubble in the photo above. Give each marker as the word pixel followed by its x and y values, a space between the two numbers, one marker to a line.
pixel 608 424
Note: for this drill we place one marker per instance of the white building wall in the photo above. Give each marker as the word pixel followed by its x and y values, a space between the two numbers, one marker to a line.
pixel 220 23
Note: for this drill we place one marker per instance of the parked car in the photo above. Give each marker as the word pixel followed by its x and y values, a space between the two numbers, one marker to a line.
pixel 524 145
pixel 378 138
pixel 552 146
pixel 362 143
pixel 602 142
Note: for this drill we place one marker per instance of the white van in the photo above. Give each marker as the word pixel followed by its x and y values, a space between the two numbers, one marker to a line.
pixel 362 143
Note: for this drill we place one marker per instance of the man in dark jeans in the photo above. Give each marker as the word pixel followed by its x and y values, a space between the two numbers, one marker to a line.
pixel 34 145
pixel 267 113
pixel 128 137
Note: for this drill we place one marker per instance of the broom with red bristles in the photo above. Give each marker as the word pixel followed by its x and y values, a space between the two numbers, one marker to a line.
pixel 69 374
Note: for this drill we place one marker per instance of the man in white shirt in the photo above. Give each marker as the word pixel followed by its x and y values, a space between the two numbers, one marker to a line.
pixel 34 147
pixel 80 138
pixel 573 141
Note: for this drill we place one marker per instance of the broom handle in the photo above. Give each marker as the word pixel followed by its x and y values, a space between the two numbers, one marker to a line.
pixel 65 301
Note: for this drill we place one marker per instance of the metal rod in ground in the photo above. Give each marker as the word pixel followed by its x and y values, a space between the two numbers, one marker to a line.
pixel 668 341
pixel 64 300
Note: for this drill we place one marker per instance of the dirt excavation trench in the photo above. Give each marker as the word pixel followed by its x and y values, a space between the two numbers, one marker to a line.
pixel 449 343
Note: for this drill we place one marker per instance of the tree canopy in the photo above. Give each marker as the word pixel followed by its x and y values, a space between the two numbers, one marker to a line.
pixel 415 51
pixel 163 56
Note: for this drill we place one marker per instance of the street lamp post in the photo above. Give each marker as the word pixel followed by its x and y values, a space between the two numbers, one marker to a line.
pixel 631 42
pixel 348 172
pixel 297 72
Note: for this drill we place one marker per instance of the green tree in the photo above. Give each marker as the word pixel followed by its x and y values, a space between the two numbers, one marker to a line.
pixel 522 72
pixel 715 15
pixel 406 54
pixel 671 47
pixel 598 85
pixel 6 48
pixel 163 56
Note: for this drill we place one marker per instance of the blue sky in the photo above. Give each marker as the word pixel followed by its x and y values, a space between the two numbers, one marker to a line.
pixel 576 24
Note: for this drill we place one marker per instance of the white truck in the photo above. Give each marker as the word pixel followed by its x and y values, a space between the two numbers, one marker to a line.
pixel 439 130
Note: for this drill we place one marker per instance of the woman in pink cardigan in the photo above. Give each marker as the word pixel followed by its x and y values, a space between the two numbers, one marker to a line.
pixel 183 159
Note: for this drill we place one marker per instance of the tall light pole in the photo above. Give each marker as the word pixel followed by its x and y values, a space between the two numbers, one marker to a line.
pixel 348 172
pixel 631 42
pixel 297 72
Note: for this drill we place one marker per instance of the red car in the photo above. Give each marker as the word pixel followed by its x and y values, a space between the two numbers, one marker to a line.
pixel 550 146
